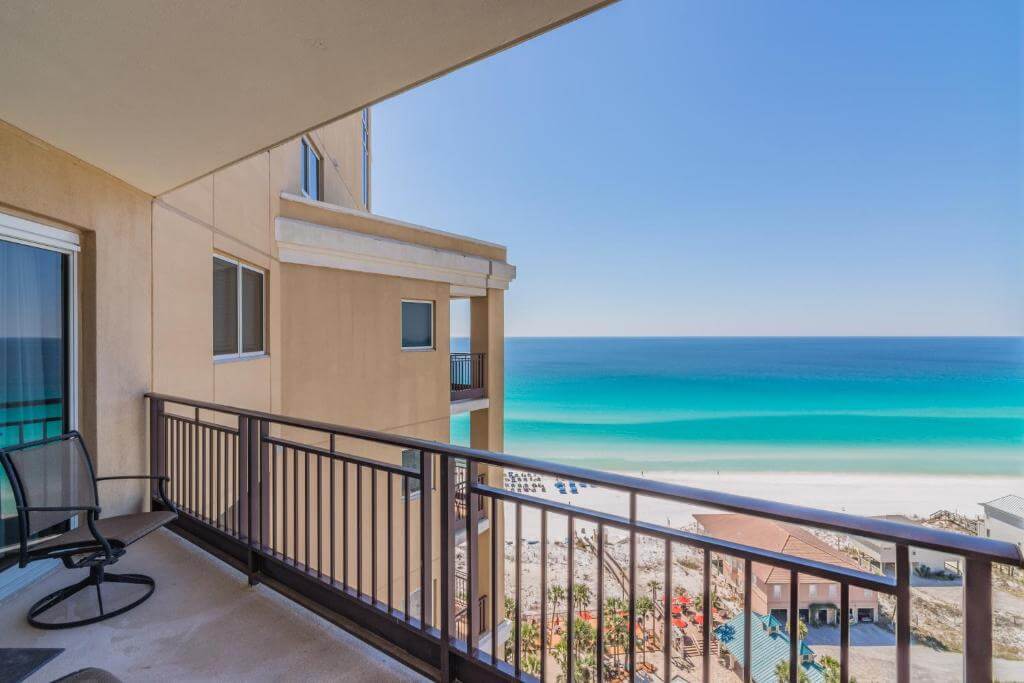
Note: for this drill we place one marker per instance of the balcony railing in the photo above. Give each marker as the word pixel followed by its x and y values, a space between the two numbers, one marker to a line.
pixel 467 375
pixel 249 484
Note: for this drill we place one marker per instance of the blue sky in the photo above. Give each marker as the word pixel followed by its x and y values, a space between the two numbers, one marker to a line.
pixel 733 168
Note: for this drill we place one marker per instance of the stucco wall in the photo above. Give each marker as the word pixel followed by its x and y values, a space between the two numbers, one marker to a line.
pixel 46 185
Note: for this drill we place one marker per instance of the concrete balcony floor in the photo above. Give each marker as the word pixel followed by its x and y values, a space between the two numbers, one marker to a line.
pixel 202 623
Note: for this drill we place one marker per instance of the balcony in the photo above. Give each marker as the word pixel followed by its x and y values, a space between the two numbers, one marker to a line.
pixel 298 507
pixel 468 371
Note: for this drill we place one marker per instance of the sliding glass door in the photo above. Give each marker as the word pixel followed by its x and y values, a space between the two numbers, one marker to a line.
pixel 35 350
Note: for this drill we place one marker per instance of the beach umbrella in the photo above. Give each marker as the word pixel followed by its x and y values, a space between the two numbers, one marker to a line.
pixel 679 623
pixel 699 619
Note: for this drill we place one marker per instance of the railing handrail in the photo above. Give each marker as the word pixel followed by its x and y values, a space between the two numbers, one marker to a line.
pixel 976 547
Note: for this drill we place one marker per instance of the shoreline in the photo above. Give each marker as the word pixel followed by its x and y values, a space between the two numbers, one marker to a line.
pixel 855 493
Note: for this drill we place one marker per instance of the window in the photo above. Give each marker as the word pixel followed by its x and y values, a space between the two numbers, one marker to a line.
pixel 366 159
pixel 867 592
pixel 833 590
pixel 311 166
pixel 411 461
pixel 776 591
pixel 417 325
pixel 237 309
pixel 812 589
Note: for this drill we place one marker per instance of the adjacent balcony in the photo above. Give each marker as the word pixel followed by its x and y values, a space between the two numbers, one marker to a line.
pixel 468 372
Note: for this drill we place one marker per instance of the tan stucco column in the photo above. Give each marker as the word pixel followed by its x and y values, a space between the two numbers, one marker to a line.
pixel 487 335
pixel 487 426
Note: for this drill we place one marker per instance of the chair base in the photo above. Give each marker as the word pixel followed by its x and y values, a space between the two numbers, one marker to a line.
pixel 97 577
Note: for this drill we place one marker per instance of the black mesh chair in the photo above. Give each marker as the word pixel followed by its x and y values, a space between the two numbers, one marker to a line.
pixel 53 482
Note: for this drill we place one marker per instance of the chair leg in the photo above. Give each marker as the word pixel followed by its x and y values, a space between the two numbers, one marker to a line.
pixel 97 577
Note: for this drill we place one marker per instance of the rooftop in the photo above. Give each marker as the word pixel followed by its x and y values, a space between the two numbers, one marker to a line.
pixel 1011 504
pixel 767 648
pixel 775 536
pixel 203 623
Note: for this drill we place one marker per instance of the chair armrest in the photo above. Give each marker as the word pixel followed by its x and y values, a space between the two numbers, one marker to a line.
pixel 160 479
pixel 61 508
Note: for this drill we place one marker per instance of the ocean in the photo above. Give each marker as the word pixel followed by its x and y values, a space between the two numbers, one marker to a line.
pixel 892 405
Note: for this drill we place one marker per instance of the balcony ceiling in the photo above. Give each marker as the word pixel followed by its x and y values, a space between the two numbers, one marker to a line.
pixel 160 93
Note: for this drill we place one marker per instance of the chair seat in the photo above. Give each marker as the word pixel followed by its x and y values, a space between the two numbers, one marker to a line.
pixel 122 530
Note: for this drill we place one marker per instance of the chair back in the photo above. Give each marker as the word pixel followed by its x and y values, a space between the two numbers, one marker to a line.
pixel 55 472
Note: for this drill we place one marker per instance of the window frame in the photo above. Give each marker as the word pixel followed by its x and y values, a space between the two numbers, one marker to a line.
pixel 433 323
pixel 239 354
pixel 307 147
pixel 366 158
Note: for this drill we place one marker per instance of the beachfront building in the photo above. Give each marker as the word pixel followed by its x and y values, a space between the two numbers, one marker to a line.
pixel 769 646
pixel 818 600
pixel 194 244
pixel 1004 519
pixel 880 556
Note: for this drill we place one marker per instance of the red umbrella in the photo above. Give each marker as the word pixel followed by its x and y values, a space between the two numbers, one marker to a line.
pixel 699 619
pixel 679 623
pixel 681 600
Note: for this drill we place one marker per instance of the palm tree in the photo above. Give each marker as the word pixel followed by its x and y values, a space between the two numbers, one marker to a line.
pixel 530 634
pixel 644 608
pixel 581 596
pixel 832 670
pixel 510 607
pixel 531 664
pixel 782 672
pixel 556 596
pixel 654 586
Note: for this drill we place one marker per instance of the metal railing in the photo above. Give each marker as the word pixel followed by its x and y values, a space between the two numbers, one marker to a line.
pixel 467 375
pixel 259 485
pixel 22 421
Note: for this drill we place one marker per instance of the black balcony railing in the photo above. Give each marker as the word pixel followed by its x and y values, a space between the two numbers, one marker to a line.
pixel 17 415
pixel 467 375
pixel 251 493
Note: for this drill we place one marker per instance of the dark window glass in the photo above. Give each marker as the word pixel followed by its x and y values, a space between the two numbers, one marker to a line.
pixel 310 171
pixel 225 307
pixel 33 356
pixel 411 461
pixel 417 324
pixel 252 311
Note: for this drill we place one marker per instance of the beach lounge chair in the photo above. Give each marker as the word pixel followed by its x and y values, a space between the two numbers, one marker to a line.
pixel 54 483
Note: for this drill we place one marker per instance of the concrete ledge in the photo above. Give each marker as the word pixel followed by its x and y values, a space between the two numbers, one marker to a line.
pixel 469 405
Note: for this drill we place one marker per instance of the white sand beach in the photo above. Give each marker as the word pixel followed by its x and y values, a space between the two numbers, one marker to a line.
pixel 861 494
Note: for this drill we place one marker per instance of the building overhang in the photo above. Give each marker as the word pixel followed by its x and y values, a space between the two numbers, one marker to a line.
pixel 317 234
pixel 159 94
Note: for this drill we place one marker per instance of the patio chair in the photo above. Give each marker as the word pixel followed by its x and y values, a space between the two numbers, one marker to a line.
pixel 53 482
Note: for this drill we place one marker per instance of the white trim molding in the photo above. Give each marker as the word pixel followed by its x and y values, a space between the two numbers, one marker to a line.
pixel 468 405
pixel 311 244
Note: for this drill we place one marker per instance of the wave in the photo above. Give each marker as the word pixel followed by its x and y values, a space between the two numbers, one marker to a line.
pixel 845 428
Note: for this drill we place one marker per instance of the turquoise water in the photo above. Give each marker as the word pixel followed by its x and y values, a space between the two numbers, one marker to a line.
pixel 929 405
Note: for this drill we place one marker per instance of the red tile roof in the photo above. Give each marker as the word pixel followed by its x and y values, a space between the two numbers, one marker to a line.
pixel 778 537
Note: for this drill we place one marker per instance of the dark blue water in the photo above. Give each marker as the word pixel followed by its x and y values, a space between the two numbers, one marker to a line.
pixel 936 405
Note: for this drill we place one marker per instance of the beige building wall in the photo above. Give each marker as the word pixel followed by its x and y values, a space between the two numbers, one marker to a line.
pixel 43 184
pixel 333 337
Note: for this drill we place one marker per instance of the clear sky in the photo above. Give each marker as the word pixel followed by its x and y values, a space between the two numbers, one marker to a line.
pixel 732 168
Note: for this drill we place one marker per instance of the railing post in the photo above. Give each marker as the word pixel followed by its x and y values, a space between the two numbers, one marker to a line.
pixel 446 486
pixel 157 445
pixel 253 492
pixel 902 613
pixel 977 620
pixel 244 500
pixel 472 558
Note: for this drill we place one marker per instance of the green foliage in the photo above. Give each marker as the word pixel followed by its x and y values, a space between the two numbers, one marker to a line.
pixel 581 596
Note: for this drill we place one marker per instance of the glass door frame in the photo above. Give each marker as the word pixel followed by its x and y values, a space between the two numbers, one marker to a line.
pixel 65 242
